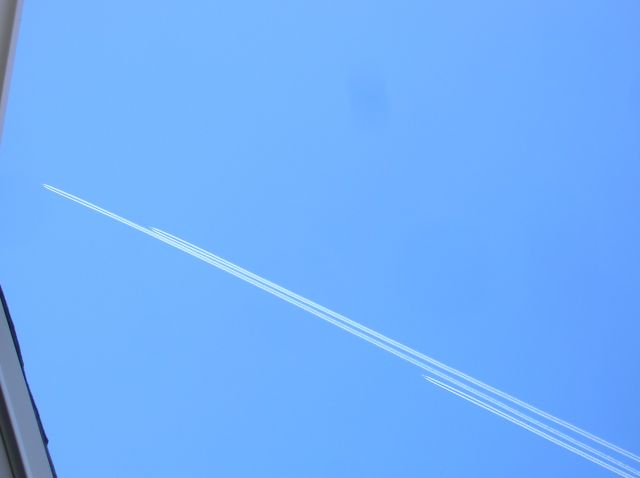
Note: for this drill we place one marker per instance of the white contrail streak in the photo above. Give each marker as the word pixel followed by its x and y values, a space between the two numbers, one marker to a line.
pixel 527 427
pixel 299 301
pixel 406 349
pixel 384 343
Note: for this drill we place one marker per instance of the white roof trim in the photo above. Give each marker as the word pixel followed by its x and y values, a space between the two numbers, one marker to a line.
pixel 25 429
pixel 19 423
pixel 9 16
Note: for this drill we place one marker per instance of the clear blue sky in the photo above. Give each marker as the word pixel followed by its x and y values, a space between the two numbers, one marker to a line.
pixel 462 176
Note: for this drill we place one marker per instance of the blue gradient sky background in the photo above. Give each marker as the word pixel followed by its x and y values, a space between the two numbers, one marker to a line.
pixel 462 176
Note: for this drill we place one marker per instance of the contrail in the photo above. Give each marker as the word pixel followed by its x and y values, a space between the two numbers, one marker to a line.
pixel 296 300
pixel 376 339
pixel 520 423
pixel 237 271
pixel 401 346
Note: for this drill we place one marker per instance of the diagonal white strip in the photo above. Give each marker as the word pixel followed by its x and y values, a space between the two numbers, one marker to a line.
pixel 411 351
pixel 527 427
pixel 308 306
pixel 375 338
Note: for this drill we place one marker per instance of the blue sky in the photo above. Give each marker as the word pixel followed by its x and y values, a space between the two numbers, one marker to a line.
pixel 461 176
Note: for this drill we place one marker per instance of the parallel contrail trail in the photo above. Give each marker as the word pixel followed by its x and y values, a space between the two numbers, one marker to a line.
pixel 401 346
pixel 525 426
pixel 382 342
pixel 243 274
pixel 226 265
pixel 207 256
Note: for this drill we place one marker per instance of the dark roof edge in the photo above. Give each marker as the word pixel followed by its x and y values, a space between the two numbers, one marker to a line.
pixel 16 344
